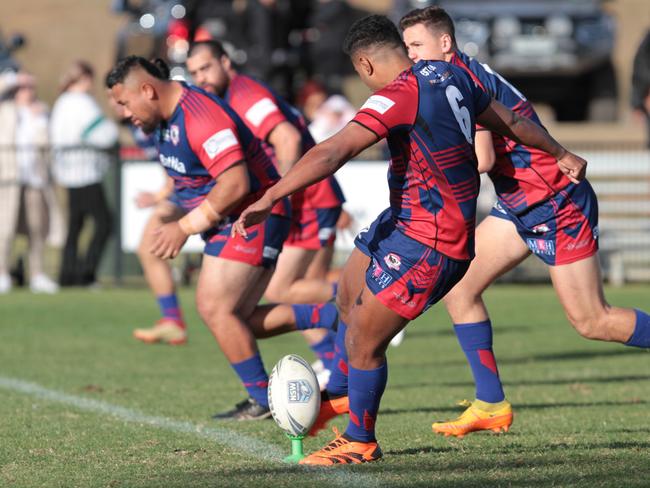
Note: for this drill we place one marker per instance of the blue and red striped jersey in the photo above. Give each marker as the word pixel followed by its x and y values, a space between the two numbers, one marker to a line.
pixel 262 109
pixel 428 115
pixel 522 175
pixel 202 139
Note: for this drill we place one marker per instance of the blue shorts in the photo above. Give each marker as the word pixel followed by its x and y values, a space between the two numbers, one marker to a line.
pixel 314 228
pixel 562 229
pixel 404 274
pixel 260 248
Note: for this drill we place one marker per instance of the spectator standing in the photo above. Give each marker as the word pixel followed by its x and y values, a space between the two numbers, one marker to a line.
pixel 82 137
pixel 25 185
pixel 641 82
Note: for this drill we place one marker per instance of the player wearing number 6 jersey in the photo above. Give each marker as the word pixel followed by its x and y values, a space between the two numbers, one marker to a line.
pixel 421 246
pixel 541 209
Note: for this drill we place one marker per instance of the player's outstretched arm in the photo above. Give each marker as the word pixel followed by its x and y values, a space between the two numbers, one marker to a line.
pixel 509 124
pixel 321 161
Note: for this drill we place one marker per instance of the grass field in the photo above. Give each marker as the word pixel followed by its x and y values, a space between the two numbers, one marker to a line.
pixel 83 405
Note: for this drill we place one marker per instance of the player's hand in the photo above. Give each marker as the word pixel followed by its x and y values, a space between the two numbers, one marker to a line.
pixel 145 199
pixel 574 167
pixel 168 240
pixel 254 214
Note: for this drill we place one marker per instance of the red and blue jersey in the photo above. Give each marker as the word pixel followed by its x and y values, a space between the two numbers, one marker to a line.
pixel 202 139
pixel 428 115
pixel 262 110
pixel 522 175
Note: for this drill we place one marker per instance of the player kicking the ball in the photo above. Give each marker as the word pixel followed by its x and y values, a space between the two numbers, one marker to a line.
pixel 539 210
pixel 421 246
pixel 218 168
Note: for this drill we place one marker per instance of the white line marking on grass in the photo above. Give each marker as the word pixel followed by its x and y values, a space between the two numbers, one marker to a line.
pixel 232 439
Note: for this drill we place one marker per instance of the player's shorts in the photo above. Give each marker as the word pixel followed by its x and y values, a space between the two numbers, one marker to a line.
pixel 314 228
pixel 404 274
pixel 562 229
pixel 260 248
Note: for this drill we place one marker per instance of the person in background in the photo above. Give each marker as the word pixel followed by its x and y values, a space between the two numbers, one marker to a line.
pixel 25 177
pixel 81 136
pixel 641 83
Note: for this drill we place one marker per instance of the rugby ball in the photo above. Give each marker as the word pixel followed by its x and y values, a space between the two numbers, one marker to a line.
pixel 294 395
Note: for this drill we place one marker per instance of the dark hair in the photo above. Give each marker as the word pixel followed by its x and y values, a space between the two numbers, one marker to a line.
pixel 373 30
pixel 74 73
pixel 433 17
pixel 216 48
pixel 156 68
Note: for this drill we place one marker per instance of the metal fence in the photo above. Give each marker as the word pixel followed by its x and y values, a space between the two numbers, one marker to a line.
pixel 620 175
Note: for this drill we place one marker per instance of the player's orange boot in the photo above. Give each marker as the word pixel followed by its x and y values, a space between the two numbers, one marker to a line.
pixel 344 451
pixel 165 330
pixel 478 416
pixel 329 408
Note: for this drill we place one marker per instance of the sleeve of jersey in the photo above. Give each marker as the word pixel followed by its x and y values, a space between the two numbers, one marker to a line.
pixel 393 106
pixel 214 139
pixel 481 98
pixel 260 112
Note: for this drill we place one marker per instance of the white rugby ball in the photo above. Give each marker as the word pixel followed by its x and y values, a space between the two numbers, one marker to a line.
pixel 294 395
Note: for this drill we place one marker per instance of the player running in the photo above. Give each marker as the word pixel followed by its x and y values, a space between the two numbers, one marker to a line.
pixel 218 168
pixel 539 210
pixel 422 245
pixel 315 211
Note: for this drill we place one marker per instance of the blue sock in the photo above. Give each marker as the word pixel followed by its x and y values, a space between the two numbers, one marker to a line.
pixel 476 341
pixel 338 382
pixel 316 316
pixel 641 335
pixel 366 389
pixel 169 307
pixel 252 374
pixel 324 349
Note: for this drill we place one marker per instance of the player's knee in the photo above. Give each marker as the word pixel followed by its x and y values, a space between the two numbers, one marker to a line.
pixel 276 295
pixel 590 326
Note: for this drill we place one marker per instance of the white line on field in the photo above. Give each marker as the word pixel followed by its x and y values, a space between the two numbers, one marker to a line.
pixel 242 443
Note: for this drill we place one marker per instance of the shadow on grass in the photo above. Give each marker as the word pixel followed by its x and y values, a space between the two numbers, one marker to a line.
pixel 518 406
pixel 558 381
pixel 561 356
pixel 512 465
pixel 444 330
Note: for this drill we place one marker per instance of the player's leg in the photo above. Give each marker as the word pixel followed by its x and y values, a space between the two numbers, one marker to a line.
pixel 224 293
pixel 334 400
pixel 170 328
pixel 576 273
pixel 499 248
pixel 579 288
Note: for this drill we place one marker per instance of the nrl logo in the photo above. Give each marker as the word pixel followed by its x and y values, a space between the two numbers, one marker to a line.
pixel 174 134
pixel 393 261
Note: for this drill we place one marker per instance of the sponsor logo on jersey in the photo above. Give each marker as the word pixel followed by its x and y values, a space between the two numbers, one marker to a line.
pixel 172 162
pixel 378 103
pixel 427 70
pixel 393 261
pixel 596 232
pixel 541 246
pixel 499 208
pixel 541 229
pixel 174 134
pixel 260 110
pixel 299 391
pixel 218 142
